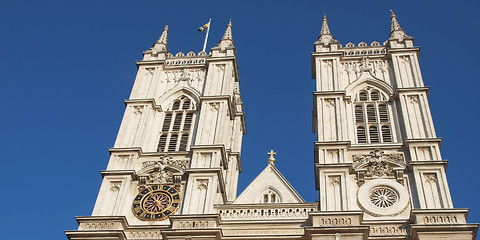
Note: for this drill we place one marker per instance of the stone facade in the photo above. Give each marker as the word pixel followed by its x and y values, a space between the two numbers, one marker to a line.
pixel 174 168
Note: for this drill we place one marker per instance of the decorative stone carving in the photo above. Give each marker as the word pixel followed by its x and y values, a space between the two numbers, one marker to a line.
pixel 377 164
pixel 193 224
pixel 214 106
pixel 430 177
pixel 159 176
pixel 335 221
pixel 165 170
pixel 99 225
pixel 144 235
pixel 167 160
pixel 138 110
pixel 115 186
pixel 365 64
pixel 389 230
pixel 330 102
pixel 413 98
pixel 334 180
pixel 441 219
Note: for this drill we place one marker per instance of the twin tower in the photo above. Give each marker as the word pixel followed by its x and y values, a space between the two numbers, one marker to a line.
pixel 174 168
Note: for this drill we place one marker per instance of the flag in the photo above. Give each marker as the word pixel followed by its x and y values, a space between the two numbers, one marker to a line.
pixel 202 28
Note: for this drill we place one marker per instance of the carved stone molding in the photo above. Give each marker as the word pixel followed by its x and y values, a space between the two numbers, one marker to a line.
pixel 144 235
pixel 193 224
pixel 377 164
pixel 389 230
pixel 99 225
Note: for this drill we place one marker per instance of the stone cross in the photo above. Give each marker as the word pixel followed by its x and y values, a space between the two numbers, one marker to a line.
pixel 271 159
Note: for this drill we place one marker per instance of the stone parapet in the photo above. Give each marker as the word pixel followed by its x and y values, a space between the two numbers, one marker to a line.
pixel 249 212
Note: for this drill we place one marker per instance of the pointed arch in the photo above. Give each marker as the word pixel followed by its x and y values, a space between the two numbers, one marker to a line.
pixel 179 106
pixel 360 84
pixel 167 99
pixel 371 106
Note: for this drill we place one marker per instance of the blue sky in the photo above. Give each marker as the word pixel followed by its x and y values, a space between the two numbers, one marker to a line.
pixel 66 67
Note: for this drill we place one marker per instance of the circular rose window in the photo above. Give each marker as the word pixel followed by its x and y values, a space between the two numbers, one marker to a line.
pixel 383 197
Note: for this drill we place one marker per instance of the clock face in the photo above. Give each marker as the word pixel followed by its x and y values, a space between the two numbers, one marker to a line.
pixel 156 203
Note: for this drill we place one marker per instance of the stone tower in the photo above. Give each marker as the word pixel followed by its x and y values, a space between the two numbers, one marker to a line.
pixel 377 154
pixel 178 146
pixel 174 168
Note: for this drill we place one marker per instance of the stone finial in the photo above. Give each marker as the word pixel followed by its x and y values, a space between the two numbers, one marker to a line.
pixel 271 160
pixel 325 35
pixel 396 32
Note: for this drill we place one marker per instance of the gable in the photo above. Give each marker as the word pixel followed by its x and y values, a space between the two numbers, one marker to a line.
pixel 270 186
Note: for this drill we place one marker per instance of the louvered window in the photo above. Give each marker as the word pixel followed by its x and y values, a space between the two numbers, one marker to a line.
pixel 372 118
pixel 166 122
pixel 386 134
pixel 184 142
pixel 361 135
pixel 175 132
pixel 177 122
pixel 188 122
pixel 373 130
pixel 371 114
pixel 162 143
pixel 186 105
pixel 359 118
pixel 363 96
pixel 172 145
pixel 383 112
pixel 176 105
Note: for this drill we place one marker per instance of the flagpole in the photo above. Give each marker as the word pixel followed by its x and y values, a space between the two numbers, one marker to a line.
pixel 206 36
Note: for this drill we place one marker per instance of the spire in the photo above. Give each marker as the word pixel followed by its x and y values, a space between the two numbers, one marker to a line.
pixel 227 40
pixel 325 35
pixel 396 32
pixel 161 44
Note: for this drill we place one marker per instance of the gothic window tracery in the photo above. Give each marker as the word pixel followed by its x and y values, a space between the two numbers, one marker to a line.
pixel 372 118
pixel 176 130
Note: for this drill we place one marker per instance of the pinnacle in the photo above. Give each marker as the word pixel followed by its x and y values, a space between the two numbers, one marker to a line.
pixel 325 29
pixel 395 24
pixel 228 32
pixel 325 36
pixel 227 39
pixel 163 37
pixel 396 32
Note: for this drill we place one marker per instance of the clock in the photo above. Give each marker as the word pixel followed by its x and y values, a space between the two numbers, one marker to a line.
pixel 156 203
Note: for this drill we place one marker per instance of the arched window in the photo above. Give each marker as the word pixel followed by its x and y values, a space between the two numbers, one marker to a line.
pixel 177 124
pixel 372 118
pixel 361 135
pixel 373 130
pixel 359 118
pixel 363 96
pixel 270 196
